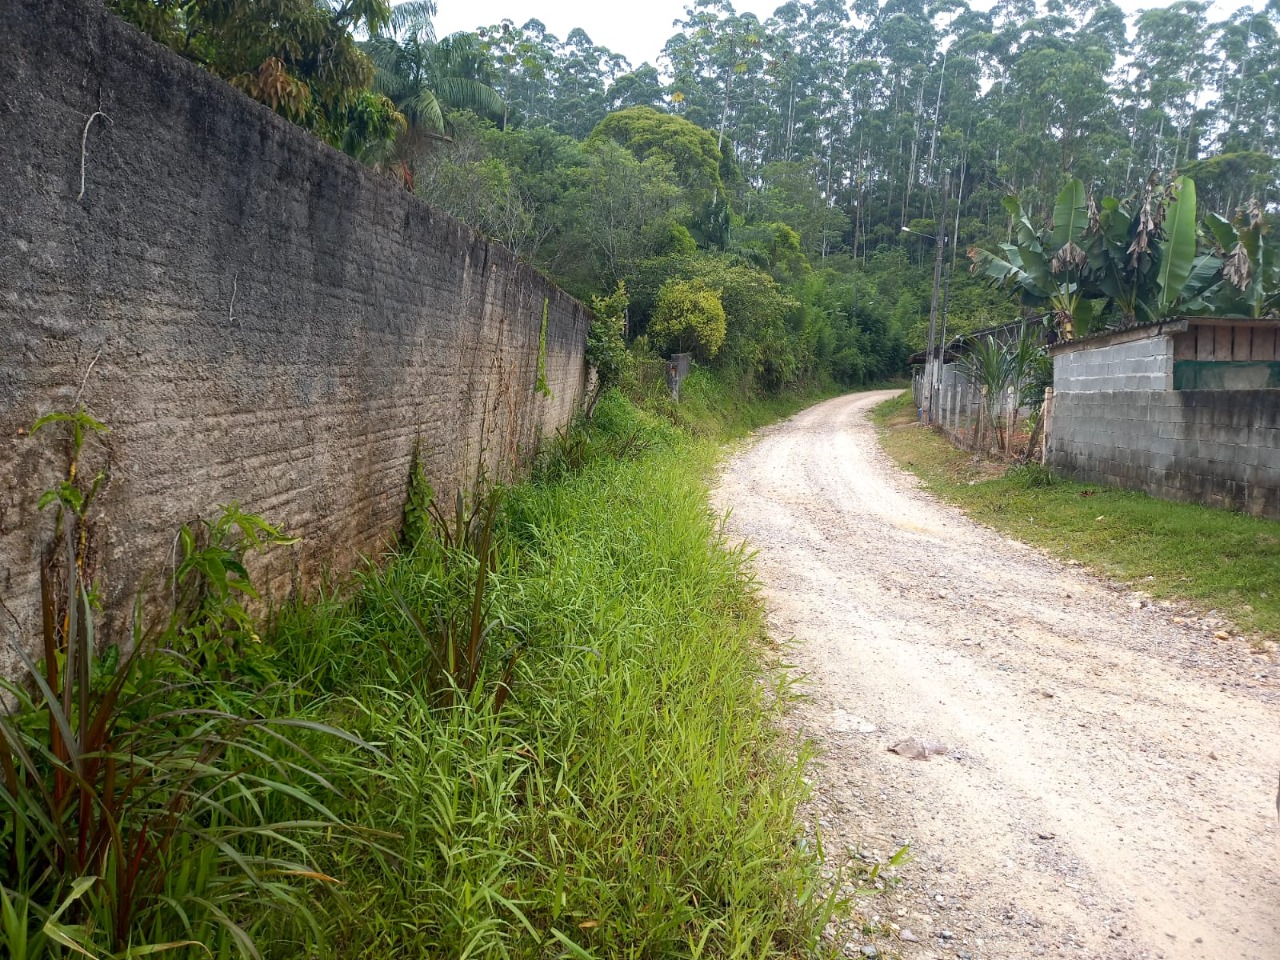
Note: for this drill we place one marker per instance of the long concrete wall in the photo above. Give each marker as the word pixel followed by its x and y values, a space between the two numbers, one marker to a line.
pixel 257 317
pixel 1115 421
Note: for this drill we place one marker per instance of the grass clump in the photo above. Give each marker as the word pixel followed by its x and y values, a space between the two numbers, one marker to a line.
pixel 633 795
pixel 1215 558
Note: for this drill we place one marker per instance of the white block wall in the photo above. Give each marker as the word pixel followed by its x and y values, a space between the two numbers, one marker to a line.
pixel 1137 365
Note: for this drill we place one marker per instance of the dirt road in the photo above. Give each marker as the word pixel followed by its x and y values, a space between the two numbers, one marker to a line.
pixel 1109 779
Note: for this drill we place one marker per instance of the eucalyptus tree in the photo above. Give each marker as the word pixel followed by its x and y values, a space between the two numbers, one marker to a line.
pixel 642 87
pixel 713 57
pixel 1055 101
pixel 563 84
pixel 1169 58
pixel 583 72
pixel 810 48
pixel 1247 104
pixel 519 58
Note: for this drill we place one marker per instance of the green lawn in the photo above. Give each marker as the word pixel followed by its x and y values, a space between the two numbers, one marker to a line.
pixel 1216 559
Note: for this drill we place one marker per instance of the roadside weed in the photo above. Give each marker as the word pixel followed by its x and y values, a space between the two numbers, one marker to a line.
pixel 633 797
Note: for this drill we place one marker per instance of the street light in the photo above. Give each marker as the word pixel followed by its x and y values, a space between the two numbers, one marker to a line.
pixel 932 370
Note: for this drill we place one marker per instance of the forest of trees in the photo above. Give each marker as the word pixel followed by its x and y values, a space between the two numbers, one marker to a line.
pixel 795 170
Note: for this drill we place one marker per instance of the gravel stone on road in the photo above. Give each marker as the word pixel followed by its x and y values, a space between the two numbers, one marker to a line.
pixel 1109 788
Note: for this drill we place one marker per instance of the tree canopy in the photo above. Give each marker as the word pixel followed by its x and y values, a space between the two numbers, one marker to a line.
pixel 815 157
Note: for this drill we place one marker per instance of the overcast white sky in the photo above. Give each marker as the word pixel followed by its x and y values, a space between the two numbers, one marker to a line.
pixel 637 30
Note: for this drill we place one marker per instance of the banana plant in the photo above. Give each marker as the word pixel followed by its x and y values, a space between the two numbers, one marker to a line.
pixel 1143 253
pixel 1249 282
pixel 1178 245
pixel 1122 262
pixel 1046 269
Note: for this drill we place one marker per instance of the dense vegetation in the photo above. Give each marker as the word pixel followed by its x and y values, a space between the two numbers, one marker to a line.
pixel 545 725
pixel 797 169
pixel 779 163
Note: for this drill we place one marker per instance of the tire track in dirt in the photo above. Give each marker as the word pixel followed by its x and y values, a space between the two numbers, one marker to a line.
pixel 1110 786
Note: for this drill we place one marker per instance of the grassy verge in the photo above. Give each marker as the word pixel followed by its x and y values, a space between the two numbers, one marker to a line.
pixel 715 408
pixel 1214 558
pixel 633 796
pixel 544 727
pixel 711 408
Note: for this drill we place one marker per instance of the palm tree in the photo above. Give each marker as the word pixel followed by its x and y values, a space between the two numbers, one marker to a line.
pixel 426 77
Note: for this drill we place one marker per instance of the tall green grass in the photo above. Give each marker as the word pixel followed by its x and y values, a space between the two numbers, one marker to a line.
pixel 544 727
pixel 634 796
pixel 713 406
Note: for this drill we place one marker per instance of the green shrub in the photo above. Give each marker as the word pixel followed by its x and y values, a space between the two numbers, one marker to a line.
pixel 689 318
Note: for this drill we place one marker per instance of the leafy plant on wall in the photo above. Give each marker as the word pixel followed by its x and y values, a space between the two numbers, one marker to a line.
pixel 297 56
pixel 1249 285
pixel 607 351
pixel 1111 264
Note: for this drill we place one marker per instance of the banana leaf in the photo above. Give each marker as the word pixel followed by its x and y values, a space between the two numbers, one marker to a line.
pixel 1117 224
pixel 1221 230
pixel 1178 249
pixel 1070 216
pixel 1024 233
pixel 1203 271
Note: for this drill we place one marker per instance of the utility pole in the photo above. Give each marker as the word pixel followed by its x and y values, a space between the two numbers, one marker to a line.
pixel 931 357
pixel 932 362
pixel 930 353
pixel 946 289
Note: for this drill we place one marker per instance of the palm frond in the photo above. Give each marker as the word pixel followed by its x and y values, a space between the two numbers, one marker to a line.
pixel 414 17
pixel 461 93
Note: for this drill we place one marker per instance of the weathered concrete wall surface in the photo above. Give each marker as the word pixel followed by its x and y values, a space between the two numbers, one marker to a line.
pixel 257 317
pixel 1218 447
pixel 1145 364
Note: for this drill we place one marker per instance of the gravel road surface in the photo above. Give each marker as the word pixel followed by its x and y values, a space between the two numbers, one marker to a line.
pixel 1107 781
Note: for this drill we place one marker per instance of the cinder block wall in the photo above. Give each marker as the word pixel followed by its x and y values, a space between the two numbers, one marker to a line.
pixel 1137 365
pixel 256 316
pixel 1217 447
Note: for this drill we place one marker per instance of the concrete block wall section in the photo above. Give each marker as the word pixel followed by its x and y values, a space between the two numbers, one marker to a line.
pixel 1135 365
pixel 257 317
pixel 1220 448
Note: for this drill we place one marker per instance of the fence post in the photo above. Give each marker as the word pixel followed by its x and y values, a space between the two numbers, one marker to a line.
pixel 986 426
pixel 1047 415
pixel 1010 420
pixel 968 414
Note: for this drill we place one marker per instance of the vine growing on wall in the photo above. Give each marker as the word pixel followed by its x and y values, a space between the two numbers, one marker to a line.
pixel 542 387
